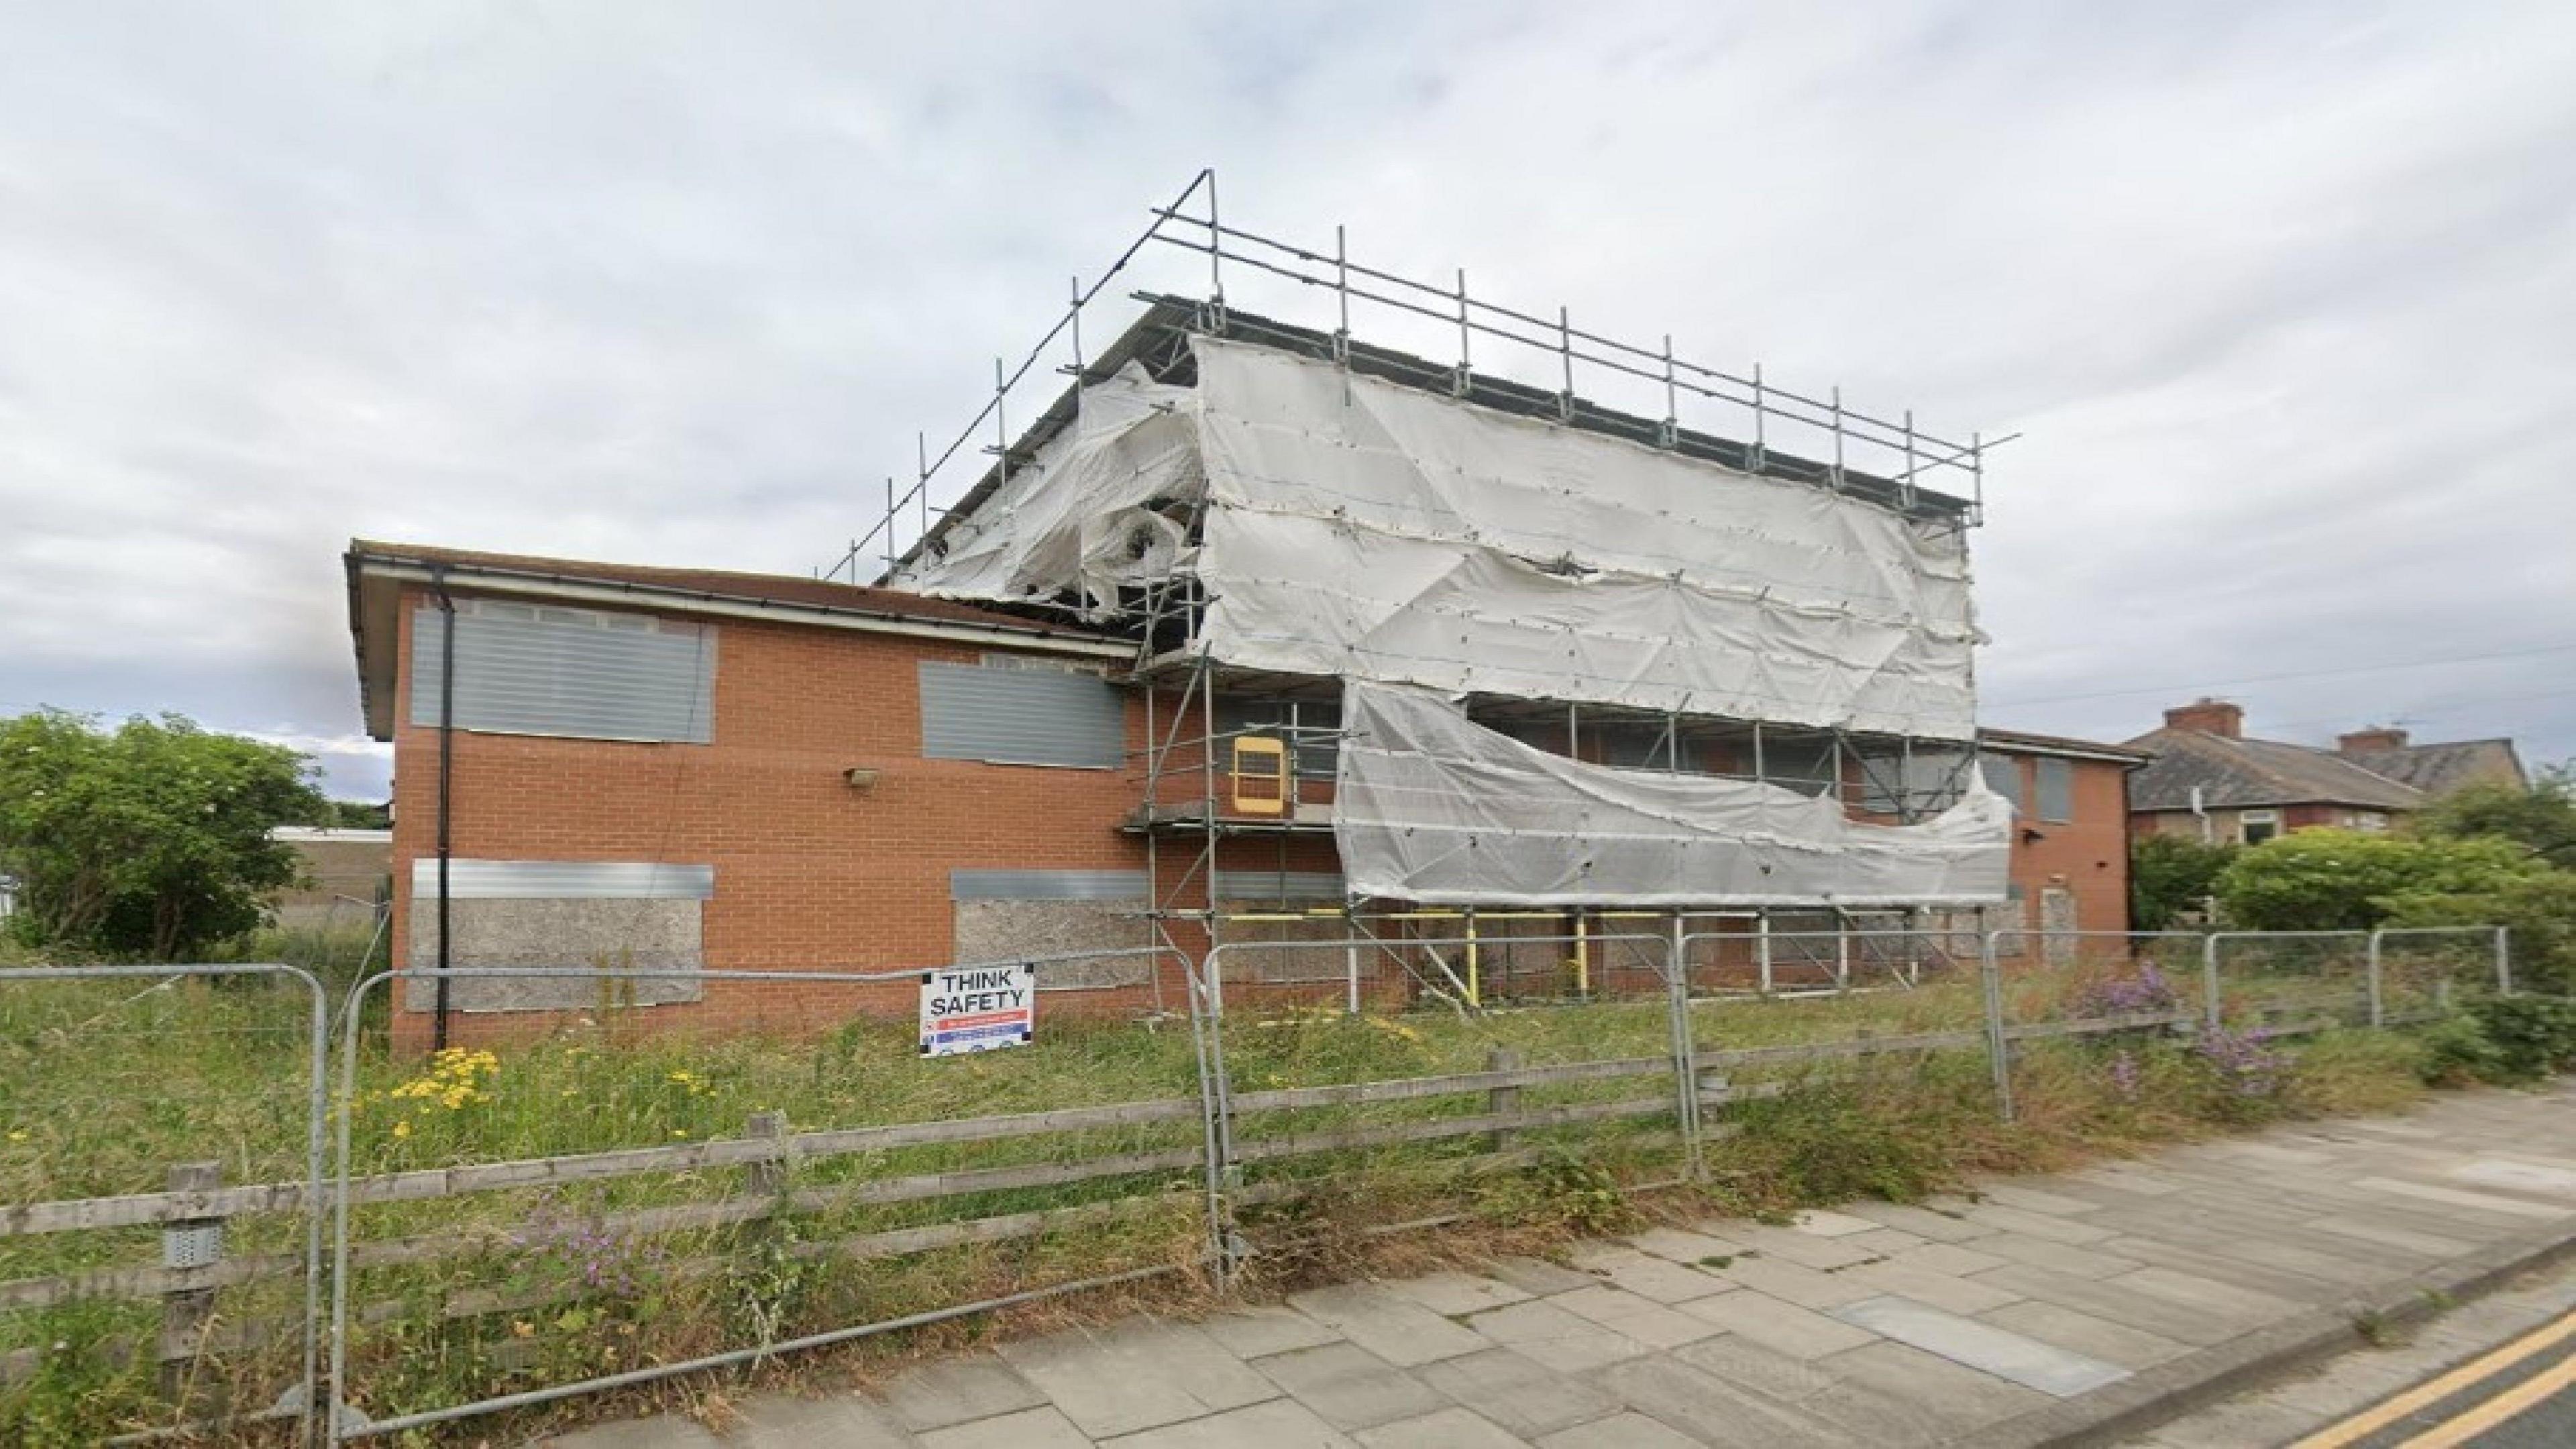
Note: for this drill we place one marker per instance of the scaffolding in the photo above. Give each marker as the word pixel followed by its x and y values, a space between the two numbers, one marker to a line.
pixel 1222 787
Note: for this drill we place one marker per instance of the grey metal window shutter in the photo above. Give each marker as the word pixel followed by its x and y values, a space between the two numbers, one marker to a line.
pixel 1021 717
pixel 523 669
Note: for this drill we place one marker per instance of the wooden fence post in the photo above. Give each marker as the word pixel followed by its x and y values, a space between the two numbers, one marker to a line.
pixel 190 1243
pixel 766 1179
pixel 1499 1100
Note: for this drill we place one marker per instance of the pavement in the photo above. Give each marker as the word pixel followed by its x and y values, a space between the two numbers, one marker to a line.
pixel 2088 1307
pixel 2494 1373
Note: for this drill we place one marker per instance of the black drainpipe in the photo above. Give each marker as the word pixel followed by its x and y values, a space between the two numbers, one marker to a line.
pixel 446 789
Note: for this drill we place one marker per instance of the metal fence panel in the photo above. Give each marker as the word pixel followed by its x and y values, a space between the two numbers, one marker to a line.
pixel 163 1154
pixel 557 1207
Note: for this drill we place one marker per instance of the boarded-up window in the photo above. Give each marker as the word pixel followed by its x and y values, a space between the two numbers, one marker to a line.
pixel 1914 784
pixel 1021 717
pixel 2003 776
pixel 613 918
pixel 2055 780
pixel 1084 929
pixel 534 669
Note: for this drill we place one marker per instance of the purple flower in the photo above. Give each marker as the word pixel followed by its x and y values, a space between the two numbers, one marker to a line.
pixel 2124 1076
pixel 2126 996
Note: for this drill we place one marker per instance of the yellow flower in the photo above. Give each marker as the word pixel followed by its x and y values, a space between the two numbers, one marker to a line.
pixel 402 1129
pixel 676 1132
pixel 18 1136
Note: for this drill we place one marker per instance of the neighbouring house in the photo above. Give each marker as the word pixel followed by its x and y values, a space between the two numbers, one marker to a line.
pixel 346 873
pixel 1256 637
pixel 2210 781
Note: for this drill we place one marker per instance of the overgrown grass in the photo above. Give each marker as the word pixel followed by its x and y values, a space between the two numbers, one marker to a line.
pixel 104 1085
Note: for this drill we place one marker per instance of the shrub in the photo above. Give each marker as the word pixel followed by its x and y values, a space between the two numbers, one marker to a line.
pixel 2171 876
pixel 2531 1036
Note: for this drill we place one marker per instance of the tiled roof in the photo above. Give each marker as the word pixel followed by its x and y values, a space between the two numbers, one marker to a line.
pixel 2440 768
pixel 2233 773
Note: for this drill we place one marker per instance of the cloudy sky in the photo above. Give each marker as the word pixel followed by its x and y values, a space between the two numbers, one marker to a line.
pixel 2281 298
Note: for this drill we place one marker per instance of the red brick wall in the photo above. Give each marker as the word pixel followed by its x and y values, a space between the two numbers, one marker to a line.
pixel 810 873
pixel 2087 856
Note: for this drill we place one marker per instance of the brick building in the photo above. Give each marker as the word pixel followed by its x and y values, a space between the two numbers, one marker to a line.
pixel 2070 851
pixel 1255 634
pixel 2209 780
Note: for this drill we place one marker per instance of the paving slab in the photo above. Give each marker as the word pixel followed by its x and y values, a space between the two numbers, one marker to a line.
pixel 1279 1424
pixel 1825 1224
pixel 1027 1429
pixel 1959 1399
pixel 1949 1258
pixel 2057 1257
pixel 1680 1246
pixel 1643 1319
pixel 955 1390
pixel 1563 1341
pixel 1387 1324
pixel 1798 1284
pixel 1711 1410
pixel 1950 1291
pixel 2058 1372
pixel 1451 1428
pixel 1136 1375
pixel 1805 1249
pixel 2036 1200
pixel 1940 1227
pixel 2102 1298
pixel 1348 1386
pixel 1540 1277
pixel 1620 1431
pixel 2521 1178
pixel 1779 1325
pixel 1863 1414
pixel 2069 1328
pixel 1887 1242
pixel 1453 1294
pixel 1648 1276
pixel 2039 1225
pixel 1270 1328
pixel 2490 1203
pixel 1517 1392
pixel 844 1421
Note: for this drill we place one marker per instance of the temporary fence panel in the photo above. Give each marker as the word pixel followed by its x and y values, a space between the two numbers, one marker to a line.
pixel 2269 980
pixel 594 1204
pixel 1425 1106
pixel 2419 972
pixel 161 1152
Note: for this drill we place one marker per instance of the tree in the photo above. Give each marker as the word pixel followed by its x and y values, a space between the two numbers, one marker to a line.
pixel 150 839
pixel 2170 876
pixel 2342 880
pixel 2542 819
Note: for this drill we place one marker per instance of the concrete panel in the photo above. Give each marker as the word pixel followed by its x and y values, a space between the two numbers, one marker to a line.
pixel 613 935
pixel 1003 930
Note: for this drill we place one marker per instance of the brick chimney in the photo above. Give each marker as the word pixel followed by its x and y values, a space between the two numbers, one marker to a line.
pixel 2209 717
pixel 2371 740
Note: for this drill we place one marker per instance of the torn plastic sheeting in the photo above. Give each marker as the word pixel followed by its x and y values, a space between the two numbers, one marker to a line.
pixel 1286 434
pixel 1072 519
pixel 1431 807
pixel 1311 597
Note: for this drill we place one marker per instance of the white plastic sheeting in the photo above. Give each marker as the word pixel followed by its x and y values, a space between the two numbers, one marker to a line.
pixel 1074 520
pixel 1358 528
pixel 1431 807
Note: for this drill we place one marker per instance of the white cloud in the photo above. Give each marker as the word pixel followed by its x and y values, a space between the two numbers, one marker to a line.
pixel 2280 296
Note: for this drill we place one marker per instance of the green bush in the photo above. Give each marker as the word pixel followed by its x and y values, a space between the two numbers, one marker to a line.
pixel 2532 1036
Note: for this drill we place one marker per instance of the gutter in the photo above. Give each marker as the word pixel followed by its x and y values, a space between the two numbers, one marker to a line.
pixel 697 601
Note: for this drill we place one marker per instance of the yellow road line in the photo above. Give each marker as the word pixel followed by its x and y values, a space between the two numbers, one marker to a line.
pixel 2433 1391
pixel 2479 1418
